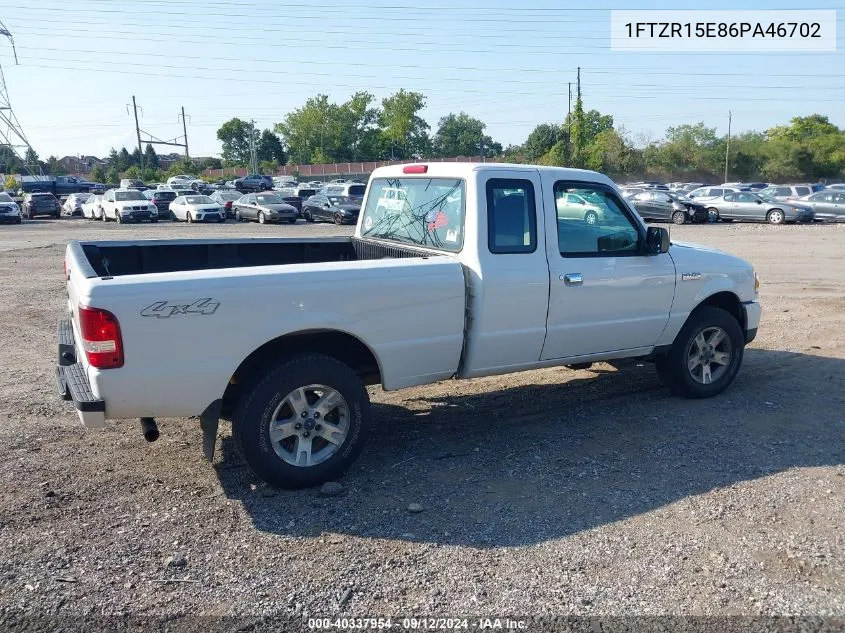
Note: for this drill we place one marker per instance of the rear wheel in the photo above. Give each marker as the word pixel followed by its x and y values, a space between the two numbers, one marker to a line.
pixel 308 217
pixel 338 219
pixel 775 216
pixel 304 422
pixel 712 214
pixel 706 355
pixel 117 217
pixel 591 217
pixel 679 217
pixel 238 217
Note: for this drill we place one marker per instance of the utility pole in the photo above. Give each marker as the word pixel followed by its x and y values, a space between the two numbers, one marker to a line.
pixel 569 124
pixel 252 153
pixel 138 131
pixel 185 131
pixel 728 146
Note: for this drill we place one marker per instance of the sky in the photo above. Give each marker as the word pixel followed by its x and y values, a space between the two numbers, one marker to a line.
pixel 508 64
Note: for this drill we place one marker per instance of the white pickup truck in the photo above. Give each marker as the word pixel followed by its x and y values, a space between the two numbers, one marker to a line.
pixel 475 273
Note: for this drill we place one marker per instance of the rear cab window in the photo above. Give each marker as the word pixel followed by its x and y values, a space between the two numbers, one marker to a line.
pixel 426 212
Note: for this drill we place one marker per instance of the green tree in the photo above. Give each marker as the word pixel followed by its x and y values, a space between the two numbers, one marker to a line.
pixel 30 157
pixel 112 175
pixel 360 135
pixel 133 172
pixel 150 157
pixel 268 167
pixel 136 157
pixel 312 132
pixel 210 163
pixel 11 184
pixel 97 174
pixel 270 148
pixel 541 139
pixel 463 135
pixel 124 159
pixel 404 130
pixel 53 168
pixel 234 135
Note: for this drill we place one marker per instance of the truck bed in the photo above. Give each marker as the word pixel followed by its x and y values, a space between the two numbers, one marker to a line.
pixel 116 259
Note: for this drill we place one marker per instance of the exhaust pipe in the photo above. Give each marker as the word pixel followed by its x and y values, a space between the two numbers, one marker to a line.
pixel 150 429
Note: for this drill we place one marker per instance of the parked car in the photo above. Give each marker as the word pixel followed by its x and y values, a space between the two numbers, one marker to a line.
pixel 663 206
pixel 127 205
pixel 183 191
pixel 752 207
pixel 161 198
pixel 92 208
pixel 196 208
pixel 337 209
pixel 284 338
pixel 348 190
pixel 10 212
pixel 703 194
pixel 41 204
pixel 827 206
pixel 73 205
pixel 786 192
pixel 255 182
pixel 263 208
pixel 184 180
pixel 574 206
pixel 226 198
pixel 133 183
pixel 283 182
pixel 839 186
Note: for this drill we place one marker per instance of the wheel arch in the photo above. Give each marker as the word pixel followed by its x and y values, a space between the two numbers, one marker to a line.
pixel 727 301
pixel 343 346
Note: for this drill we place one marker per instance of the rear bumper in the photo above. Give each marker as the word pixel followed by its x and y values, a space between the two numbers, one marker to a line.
pixel 752 311
pixel 72 380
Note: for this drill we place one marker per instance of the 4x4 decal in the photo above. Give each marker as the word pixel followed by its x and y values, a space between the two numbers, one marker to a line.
pixel 167 309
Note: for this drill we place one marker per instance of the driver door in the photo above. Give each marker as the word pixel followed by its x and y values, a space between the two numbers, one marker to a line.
pixel 605 293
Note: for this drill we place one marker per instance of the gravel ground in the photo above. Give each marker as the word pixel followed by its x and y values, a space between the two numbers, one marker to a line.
pixel 554 492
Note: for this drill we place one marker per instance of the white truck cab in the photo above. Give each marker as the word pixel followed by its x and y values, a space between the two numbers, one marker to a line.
pixel 470 270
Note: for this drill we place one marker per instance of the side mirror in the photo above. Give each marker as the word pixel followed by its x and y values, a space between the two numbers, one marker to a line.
pixel 657 240
pixel 759 202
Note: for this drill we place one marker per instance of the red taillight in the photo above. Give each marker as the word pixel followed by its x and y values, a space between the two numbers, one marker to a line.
pixel 101 339
pixel 415 169
pixel 228 205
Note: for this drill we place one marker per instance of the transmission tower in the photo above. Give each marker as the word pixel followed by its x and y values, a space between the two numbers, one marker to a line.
pixel 13 141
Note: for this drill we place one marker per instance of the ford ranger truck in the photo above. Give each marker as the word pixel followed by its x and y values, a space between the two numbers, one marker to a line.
pixel 454 271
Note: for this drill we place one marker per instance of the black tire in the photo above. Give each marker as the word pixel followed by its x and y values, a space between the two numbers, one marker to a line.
pixel 238 217
pixel 117 217
pixel 591 217
pixel 679 217
pixel 293 221
pixel 153 220
pixel 221 220
pixel 103 215
pixel 261 219
pixel 251 420
pixel 713 215
pixel 338 219
pixel 308 217
pixel 673 369
pixel 188 218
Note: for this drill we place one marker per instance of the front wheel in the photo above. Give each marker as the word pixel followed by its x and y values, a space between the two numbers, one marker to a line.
pixel 591 217
pixel 188 218
pixel 679 217
pixel 261 218
pixel 238 217
pixel 706 355
pixel 308 217
pixel 304 422
pixel 338 219
pixel 118 218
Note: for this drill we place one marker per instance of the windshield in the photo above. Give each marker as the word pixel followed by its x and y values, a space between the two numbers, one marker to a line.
pixel 270 199
pixel 336 200
pixel 199 200
pixel 229 195
pixel 420 211
pixel 123 196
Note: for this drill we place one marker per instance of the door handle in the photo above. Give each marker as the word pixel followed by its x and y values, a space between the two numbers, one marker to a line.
pixel 572 279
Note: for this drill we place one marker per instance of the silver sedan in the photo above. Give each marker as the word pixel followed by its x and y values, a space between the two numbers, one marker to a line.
pixel 751 207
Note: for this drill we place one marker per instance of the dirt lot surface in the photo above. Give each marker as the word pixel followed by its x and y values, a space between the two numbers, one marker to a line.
pixel 550 492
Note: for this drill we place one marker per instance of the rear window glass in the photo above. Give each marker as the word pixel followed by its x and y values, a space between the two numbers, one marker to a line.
pixel 43 196
pixel 306 193
pixel 5 197
pixel 357 190
pixel 164 195
pixel 420 211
